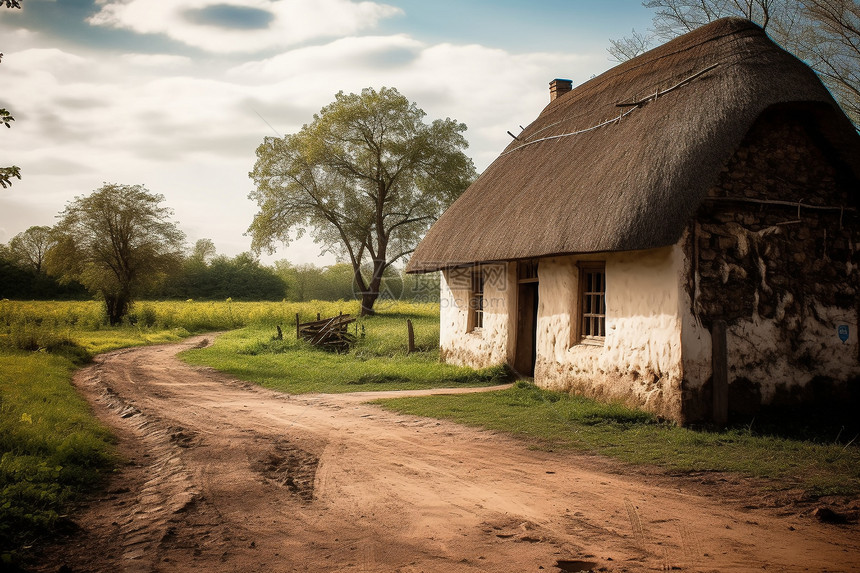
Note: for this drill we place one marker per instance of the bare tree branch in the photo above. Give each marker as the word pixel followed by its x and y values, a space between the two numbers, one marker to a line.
pixel 823 33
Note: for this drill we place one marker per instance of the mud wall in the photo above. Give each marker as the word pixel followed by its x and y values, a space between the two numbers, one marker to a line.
pixel 773 253
pixel 479 347
pixel 639 362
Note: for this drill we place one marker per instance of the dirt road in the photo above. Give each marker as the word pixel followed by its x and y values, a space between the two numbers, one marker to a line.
pixel 225 476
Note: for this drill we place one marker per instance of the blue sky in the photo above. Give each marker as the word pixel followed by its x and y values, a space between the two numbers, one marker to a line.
pixel 177 94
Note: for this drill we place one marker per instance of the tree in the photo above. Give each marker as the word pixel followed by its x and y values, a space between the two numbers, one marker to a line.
pixel 7 173
pixel 630 46
pixel 367 175
pixel 30 247
pixel 823 33
pixel 203 251
pixel 241 278
pixel 116 242
pixel 832 48
pixel 206 275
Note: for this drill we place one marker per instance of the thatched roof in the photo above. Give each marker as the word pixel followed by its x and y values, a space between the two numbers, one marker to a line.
pixel 563 188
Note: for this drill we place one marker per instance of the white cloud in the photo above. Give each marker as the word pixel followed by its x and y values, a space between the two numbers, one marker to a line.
pixel 242 26
pixel 50 61
pixel 358 53
pixel 160 62
pixel 491 90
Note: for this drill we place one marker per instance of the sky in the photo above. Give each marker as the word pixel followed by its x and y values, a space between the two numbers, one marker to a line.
pixel 176 95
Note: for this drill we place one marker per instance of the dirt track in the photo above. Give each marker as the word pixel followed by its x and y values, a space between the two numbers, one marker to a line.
pixel 225 476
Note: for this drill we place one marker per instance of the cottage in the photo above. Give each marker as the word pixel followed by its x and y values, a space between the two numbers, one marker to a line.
pixel 679 233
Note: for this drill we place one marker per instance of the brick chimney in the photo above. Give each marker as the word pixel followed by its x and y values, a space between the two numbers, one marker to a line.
pixel 558 88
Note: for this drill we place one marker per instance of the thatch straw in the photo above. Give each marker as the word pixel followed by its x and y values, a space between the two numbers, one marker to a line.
pixel 563 187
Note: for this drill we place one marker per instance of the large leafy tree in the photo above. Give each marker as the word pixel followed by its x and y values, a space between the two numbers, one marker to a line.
pixel 116 242
pixel 823 33
pixel 367 175
pixel 7 173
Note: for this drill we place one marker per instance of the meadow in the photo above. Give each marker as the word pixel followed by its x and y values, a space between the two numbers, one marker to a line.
pixel 378 361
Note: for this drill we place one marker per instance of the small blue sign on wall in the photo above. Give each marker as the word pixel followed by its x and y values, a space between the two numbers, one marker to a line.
pixel 842 329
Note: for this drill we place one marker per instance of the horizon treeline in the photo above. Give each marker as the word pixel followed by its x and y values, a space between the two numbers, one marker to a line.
pixel 219 277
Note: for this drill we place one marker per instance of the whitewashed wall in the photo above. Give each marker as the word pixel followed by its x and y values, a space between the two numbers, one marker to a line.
pixel 640 362
pixel 657 353
pixel 486 346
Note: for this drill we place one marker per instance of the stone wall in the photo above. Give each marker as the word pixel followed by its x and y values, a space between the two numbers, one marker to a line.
pixel 773 252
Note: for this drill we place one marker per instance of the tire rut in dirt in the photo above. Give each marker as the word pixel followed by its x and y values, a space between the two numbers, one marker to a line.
pixel 168 490
pixel 290 466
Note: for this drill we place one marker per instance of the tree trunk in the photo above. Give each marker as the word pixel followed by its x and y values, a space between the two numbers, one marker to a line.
pixel 367 301
pixel 117 305
pixel 370 294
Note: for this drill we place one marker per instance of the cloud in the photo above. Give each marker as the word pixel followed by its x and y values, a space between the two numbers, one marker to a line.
pixel 58 167
pixel 242 26
pixel 46 61
pixel 227 16
pixel 160 62
pixel 358 53
pixel 491 90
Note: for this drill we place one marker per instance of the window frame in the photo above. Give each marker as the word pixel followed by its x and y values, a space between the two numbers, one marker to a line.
pixel 476 299
pixel 588 318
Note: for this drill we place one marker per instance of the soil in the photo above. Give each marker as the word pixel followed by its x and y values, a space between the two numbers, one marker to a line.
pixel 222 475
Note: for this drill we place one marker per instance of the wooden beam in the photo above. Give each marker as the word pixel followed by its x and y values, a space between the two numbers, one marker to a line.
pixel 720 373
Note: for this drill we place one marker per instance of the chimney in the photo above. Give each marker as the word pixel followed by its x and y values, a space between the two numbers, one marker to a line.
pixel 558 88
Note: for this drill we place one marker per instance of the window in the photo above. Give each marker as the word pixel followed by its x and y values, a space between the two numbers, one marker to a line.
pixel 592 301
pixel 476 300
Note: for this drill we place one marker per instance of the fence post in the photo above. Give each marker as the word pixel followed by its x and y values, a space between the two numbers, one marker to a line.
pixel 298 334
pixel 411 336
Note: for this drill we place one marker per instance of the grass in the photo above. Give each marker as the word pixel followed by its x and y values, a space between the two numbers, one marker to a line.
pixel 51 449
pixel 551 420
pixel 378 361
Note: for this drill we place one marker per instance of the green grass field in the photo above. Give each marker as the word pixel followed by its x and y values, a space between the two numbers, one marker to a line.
pixel 378 361
pixel 52 448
